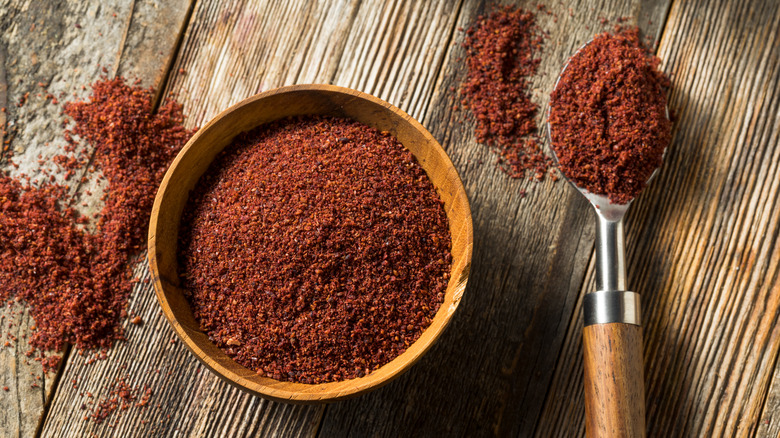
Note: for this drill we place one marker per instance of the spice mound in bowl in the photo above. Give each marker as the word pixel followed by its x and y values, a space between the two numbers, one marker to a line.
pixel 310 243
pixel 608 122
pixel 314 249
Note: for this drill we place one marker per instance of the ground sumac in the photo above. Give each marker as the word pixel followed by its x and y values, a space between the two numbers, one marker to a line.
pixel 76 282
pixel 608 120
pixel 314 249
pixel 501 55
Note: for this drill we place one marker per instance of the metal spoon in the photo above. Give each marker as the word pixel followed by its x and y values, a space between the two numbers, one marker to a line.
pixel 612 337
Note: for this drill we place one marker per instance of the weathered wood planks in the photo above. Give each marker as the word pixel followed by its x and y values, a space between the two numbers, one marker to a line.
pixel 701 240
pixel 62 46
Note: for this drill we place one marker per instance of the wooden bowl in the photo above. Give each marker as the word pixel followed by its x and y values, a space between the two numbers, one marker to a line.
pixel 196 157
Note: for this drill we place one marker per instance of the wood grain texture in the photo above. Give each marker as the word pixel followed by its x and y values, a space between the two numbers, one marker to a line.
pixel 769 423
pixel 60 46
pixel 701 241
pixel 230 51
pixel 490 372
pixel 614 384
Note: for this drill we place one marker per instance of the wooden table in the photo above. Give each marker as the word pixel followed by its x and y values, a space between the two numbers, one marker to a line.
pixel 701 240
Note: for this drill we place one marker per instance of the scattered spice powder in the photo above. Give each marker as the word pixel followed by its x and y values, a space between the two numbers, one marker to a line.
pixel 608 118
pixel 314 249
pixel 76 283
pixel 501 54
pixel 121 396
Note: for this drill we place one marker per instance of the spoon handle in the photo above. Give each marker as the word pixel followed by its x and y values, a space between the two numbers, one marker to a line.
pixel 612 341
pixel 610 253
pixel 614 382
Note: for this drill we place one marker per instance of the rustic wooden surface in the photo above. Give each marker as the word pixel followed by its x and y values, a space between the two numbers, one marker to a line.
pixel 63 46
pixel 701 241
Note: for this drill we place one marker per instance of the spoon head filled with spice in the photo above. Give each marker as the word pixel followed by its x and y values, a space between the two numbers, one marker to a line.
pixel 609 128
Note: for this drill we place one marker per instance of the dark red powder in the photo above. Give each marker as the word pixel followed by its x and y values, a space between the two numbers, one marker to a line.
pixel 314 249
pixel 608 119
pixel 121 397
pixel 501 54
pixel 76 283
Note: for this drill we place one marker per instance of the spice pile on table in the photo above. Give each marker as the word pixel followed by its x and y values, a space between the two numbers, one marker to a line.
pixel 502 52
pixel 314 249
pixel 608 118
pixel 76 283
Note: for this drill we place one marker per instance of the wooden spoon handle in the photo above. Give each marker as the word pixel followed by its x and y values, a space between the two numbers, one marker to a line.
pixel 614 381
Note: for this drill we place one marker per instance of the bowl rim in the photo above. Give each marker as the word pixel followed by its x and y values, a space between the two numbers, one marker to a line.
pixel 293 392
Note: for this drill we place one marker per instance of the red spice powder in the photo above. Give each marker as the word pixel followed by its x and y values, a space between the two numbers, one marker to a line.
pixel 501 54
pixel 121 397
pixel 76 283
pixel 314 249
pixel 608 119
